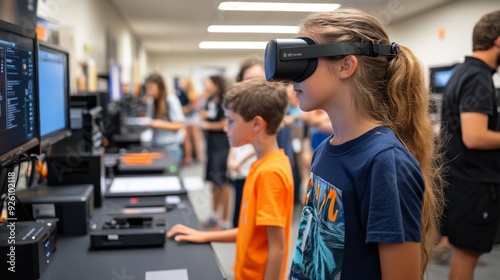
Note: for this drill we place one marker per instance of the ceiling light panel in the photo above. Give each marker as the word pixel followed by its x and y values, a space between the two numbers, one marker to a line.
pixel 240 45
pixel 278 7
pixel 291 29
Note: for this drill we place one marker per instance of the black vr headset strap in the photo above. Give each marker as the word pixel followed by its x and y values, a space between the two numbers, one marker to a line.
pixel 339 49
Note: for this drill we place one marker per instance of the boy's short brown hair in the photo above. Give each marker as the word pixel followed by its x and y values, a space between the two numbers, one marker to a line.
pixel 258 97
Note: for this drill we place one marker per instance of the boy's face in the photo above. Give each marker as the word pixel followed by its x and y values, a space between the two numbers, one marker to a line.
pixel 239 132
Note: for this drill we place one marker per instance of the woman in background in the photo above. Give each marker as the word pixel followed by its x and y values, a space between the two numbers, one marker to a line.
pixel 217 148
pixel 168 120
pixel 191 110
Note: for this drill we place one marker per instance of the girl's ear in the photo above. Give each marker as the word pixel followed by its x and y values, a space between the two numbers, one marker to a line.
pixel 348 66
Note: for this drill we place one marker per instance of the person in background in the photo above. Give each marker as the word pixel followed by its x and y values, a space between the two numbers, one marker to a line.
pixel 239 161
pixel 254 111
pixel 217 149
pixel 319 129
pixel 167 117
pixel 191 110
pixel 372 193
pixel 470 119
pixel 240 158
pixel 292 126
pixel 250 68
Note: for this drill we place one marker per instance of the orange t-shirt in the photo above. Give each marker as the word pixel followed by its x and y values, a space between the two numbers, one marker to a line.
pixel 267 201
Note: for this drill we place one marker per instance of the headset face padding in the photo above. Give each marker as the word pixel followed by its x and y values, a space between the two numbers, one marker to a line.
pixel 278 70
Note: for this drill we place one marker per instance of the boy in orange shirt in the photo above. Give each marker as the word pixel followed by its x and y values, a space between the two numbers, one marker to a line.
pixel 254 111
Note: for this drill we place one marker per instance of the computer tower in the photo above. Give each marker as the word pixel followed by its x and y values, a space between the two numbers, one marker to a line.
pixel 78 168
pixel 72 206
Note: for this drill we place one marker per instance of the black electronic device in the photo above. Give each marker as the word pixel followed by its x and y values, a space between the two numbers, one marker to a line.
pixel 129 231
pixel 28 248
pixel 139 205
pixel 85 123
pixel 18 94
pixel 73 206
pixel 439 77
pixel 54 94
pixel 146 163
pixel 296 59
pixel 78 168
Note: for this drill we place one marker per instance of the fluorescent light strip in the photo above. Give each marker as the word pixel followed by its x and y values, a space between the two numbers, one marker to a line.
pixel 253 29
pixel 240 45
pixel 278 7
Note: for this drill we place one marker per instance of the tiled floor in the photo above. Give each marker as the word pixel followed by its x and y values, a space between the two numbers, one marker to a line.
pixel 201 201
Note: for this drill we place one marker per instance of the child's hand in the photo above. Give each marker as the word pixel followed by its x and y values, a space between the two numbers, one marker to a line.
pixel 182 233
pixel 203 125
pixel 233 166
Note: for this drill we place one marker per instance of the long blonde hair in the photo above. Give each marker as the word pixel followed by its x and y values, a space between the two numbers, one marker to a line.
pixel 395 94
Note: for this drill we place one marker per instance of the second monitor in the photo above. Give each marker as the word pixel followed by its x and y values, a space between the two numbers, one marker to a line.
pixel 53 81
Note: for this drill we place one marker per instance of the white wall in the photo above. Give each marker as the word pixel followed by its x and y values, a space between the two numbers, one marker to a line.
pixel 189 64
pixel 85 23
pixel 457 19
pixel 420 33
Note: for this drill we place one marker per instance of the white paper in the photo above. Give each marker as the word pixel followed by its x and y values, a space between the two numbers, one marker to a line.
pixel 177 274
pixel 173 199
pixel 149 184
pixel 193 183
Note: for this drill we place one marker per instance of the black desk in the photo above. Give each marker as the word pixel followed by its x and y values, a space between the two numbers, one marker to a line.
pixel 75 260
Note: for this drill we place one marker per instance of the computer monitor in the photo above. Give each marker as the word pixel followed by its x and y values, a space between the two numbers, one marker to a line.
pixel 18 93
pixel 114 83
pixel 439 77
pixel 53 88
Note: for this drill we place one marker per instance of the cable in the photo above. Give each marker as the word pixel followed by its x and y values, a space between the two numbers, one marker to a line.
pixel 3 181
pixel 26 215
pixel 31 179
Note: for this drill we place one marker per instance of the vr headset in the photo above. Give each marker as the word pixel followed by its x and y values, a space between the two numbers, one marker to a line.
pixel 296 59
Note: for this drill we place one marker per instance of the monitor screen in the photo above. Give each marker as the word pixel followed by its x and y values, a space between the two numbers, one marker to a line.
pixel 440 77
pixel 53 88
pixel 115 90
pixel 18 113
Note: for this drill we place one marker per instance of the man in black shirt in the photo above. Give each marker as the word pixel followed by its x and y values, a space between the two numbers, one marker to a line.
pixel 471 122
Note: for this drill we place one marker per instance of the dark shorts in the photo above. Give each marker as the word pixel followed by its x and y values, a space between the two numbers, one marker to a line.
pixel 217 150
pixel 216 169
pixel 472 215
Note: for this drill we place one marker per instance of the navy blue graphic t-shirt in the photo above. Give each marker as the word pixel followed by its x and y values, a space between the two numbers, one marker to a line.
pixel 360 193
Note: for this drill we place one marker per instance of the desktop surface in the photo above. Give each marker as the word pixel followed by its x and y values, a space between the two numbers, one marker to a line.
pixel 75 259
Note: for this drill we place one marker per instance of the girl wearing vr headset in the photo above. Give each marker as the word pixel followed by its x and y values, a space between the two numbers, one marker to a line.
pixel 373 193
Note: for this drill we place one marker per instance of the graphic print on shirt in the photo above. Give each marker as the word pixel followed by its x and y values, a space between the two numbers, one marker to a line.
pixel 212 110
pixel 320 246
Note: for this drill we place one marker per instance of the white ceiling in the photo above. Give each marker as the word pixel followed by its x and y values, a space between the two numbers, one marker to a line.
pixel 177 26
